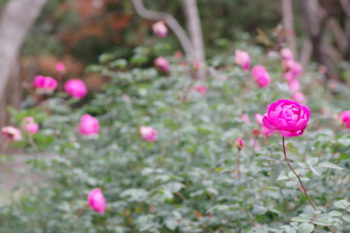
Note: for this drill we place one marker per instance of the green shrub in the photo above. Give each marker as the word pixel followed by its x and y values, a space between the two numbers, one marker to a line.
pixel 186 180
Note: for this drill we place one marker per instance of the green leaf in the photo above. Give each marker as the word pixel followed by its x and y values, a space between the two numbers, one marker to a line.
pixel 323 220
pixel 302 218
pixel 259 210
pixel 314 171
pixel 342 204
pixel 275 172
pixel 171 223
pixel 306 228
pixel 330 165
pixel 346 218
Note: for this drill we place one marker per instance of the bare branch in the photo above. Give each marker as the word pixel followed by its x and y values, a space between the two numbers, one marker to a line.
pixel 171 22
pixel 194 28
pixel 339 35
pixel 16 20
pixel 345 4
pixel 306 52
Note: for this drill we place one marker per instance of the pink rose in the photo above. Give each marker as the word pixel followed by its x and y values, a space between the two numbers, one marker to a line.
pixel 242 58
pixel 266 132
pixel 239 143
pixel 245 118
pixel 287 54
pixel 30 126
pixel 261 76
pixel 97 201
pixel 299 97
pixel 345 118
pixel 293 85
pixel 76 88
pixel 201 89
pixel 12 133
pixel 258 118
pixel 148 133
pixel 88 125
pixel 159 29
pixel 287 117
pixel 292 69
pixel 45 84
pixel 162 64
pixel 60 67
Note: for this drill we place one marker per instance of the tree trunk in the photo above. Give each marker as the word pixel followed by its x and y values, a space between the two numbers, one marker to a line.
pixel 194 28
pixel 17 18
pixel 315 20
pixel 288 24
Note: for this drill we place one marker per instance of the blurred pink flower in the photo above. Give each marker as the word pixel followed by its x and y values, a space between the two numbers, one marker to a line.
pixel 258 118
pixel 242 58
pixel 299 97
pixel 201 89
pixel 293 85
pixel 60 67
pixel 30 126
pixel 76 88
pixel 197 65
pixel 261 76
pixel 12 133
pixel 162 64
pixel 160 29
pixel 45 84
pixel 287 117
pixel 345 118
pixel 287 54
pixel 245 118
pixel 97 201
pixel 292 69
pixel 88 125
pixel 148 133
pixel 239 143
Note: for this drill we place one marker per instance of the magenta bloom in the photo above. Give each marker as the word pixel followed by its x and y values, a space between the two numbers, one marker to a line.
pixel 201 89
pixel 261 76
pixel 11 133
pixel 160 29
pixel 97 201
pixel 45 84
pixel 148 133
pixel 29 125
pixel 60 67
pixel 239 143
pixel 88 125
pixel 76 88
pixel 287 54
pixel 242 58
pixel 287 117
pixel 162 64
pixel 345 118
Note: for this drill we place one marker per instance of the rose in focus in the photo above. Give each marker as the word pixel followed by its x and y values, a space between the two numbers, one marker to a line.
pixel 287 117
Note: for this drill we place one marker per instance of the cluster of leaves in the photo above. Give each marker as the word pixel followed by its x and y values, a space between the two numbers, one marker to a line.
pixel 186 181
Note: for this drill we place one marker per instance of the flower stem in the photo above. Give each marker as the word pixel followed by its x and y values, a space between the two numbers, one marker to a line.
pixel 302 187
pixel 239 164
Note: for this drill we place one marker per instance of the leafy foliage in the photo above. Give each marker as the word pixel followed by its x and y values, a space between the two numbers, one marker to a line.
pixel 186 181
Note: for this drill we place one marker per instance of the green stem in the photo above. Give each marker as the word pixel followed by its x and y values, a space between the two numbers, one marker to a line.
pixel 302 187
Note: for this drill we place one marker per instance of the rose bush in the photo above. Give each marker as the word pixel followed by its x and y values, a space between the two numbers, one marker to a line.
pixel 192 177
